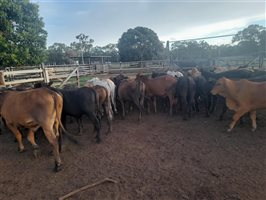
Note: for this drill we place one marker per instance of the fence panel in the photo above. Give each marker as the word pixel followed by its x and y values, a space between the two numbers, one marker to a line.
pixel 61 74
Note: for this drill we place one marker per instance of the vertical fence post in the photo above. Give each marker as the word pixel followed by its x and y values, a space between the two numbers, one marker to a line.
pixel 2 79
pixel 45 74
pixel 77 77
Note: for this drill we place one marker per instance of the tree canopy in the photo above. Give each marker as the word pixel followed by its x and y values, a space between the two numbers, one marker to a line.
pixel 107 50
pixel 190 51
pixel 59 54
pixel 139 43
pixel 22 34
pixel 248 42
pixel 83 45
pixel 251 39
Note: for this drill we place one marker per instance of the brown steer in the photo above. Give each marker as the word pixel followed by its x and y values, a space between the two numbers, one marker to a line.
pixel 132 91
pixel 105 102
pixel 160 86
pixel 33 109
pixel 242 96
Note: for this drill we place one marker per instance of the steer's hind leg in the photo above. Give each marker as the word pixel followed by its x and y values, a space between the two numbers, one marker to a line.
pixel 171 101
pixel 107 111
pixel 35 146
pixel 154 104
pixel 96 123
pixel 18 136
pixel 252 115
pixel 123 109
pixel 80 125
pixel 184 107
pixel 51 137
pixel 236 117
pixel 139 106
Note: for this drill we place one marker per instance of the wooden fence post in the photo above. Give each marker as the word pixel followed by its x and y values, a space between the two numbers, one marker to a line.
pixel 45 74
pixel 78 79
pixel 2 79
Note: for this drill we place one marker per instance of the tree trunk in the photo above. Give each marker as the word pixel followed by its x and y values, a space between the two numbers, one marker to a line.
pixel 82 59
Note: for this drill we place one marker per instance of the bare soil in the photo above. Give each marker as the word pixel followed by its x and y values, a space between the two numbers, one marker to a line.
pixel 161 157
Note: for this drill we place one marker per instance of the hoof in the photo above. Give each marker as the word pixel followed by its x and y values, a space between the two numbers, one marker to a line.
pixel 58 167
pixel 229 130
pixel 36 152
pixel 98 141
pixel 21 150
pixel 253 129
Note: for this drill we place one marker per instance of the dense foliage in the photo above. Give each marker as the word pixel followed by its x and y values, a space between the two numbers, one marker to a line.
pixel 81 51
pixel 248 42
pixel 22 37
pixel 139 43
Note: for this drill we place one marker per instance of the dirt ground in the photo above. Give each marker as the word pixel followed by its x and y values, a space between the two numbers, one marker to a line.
pixel 160 158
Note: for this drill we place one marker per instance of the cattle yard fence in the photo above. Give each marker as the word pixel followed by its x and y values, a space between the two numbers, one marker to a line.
pixel 76 74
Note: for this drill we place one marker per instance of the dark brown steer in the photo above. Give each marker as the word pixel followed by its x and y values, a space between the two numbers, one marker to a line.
pixel 132 91
pixel 105 102
pixel 160 86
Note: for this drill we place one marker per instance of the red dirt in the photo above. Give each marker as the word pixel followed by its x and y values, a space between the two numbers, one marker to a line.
pixel 160 158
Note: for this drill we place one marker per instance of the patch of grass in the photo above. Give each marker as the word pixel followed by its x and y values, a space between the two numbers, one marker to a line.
pixel 84 79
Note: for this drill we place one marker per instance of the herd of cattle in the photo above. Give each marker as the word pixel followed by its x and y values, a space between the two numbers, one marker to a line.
pixel 46 107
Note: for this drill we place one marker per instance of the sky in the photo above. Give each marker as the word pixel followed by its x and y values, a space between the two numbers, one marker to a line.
pixel 105 21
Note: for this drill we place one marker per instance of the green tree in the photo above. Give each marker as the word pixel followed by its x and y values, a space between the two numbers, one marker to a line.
pixel 22 37
pixel 251 40
pixel 107 50
pixel 59 54
pixel 96 51
pixel 139 43
pixel 111 50
pixel 189 53
pixel 83 45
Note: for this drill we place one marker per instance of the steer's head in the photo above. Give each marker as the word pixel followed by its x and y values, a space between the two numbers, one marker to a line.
pixel 219 87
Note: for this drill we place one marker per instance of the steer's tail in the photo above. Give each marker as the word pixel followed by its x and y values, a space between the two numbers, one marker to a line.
pixel 58 126
pixel 97 102
pixel 140 90
pixel 67 134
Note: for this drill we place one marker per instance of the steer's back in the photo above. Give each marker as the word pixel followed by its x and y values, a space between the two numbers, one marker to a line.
pixel 160 85
pixel 252 94
pixel 30 108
